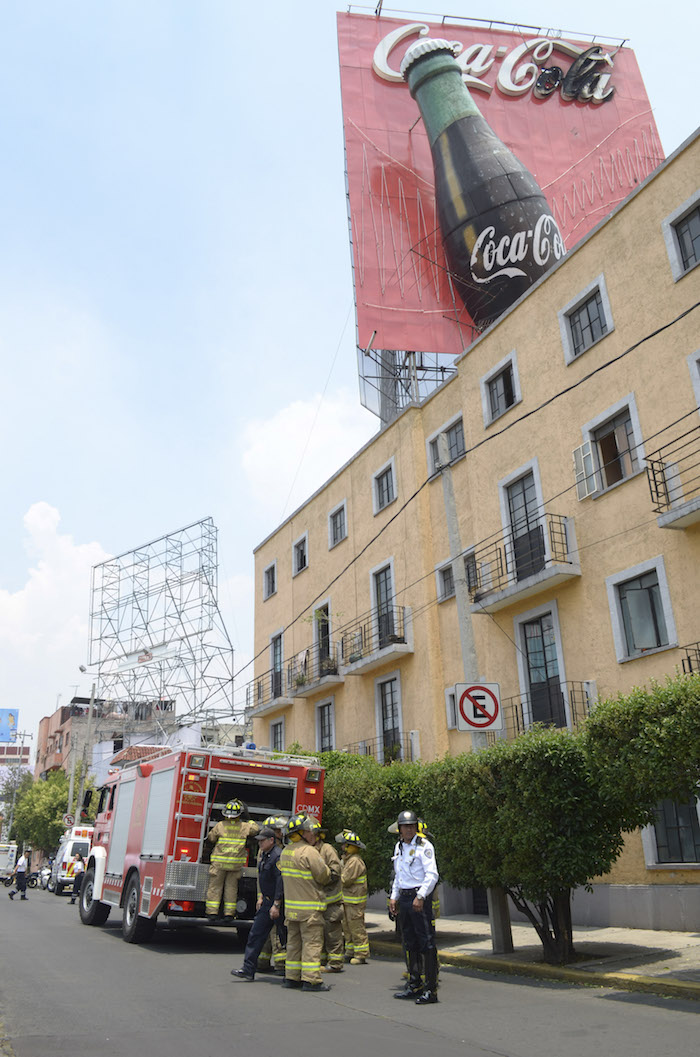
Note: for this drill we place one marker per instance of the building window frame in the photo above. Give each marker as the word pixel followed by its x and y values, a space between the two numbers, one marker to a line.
pixel 444 581
pixel 431 446
pixel 519 622
pixel 277 726
pixel 331 515
pixel 612 585
pixel 374 605
pixel 451 708
pixel 277 636
pixel 387 677
pixel 669 227
pixel 485 382
pixel 565 314
pixel 593 483
pixel 300 545
pixel 380 501
pixel 527 468
pixel 693 361
pixel 330 704
pixel 269 580
pixel 651 850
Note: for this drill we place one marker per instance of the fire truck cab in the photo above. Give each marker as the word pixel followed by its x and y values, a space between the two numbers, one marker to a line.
pixel 149 854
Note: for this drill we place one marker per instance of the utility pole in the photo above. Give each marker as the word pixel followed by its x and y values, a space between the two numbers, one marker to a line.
pixel 499 916
pixel 18 736
pixel 87 746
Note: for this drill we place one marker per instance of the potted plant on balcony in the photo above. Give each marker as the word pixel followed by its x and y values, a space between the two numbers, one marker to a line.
pixel 300 680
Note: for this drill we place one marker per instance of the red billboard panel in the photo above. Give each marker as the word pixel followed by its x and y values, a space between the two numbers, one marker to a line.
pixel 578 119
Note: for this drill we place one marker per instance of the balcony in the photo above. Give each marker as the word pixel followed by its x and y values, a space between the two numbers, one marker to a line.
pixel 382 636
pixel 513 566
pixel 395 745
pixel 555 704
pixel 267 693
pixel 674 480
pixel 314 670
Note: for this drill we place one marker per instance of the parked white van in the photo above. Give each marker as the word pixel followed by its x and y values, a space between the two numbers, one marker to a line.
pixel 76 839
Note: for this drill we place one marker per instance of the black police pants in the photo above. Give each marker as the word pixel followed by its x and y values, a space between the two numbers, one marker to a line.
pixel 416 925
pixel 261 929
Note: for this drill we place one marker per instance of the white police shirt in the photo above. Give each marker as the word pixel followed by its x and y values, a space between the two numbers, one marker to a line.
pixel 414 867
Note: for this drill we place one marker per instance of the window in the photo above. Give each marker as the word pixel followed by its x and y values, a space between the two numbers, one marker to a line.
pixel 585 320
pixel 277 735
pixel 389 719
pixel 500 389
pixel 470 572
pixel 681 231
pixel 337 525
pixel 383 594
pixel 612 450
pixel 276 656
pixel 640 609
pixel 454 435
pixel 451 708
pixel 446 583
pixel 269 580
pixel 384 490
pixel 300 556
pixel 541 669
pixel 526 527
pixel 325 739
pixel 677 832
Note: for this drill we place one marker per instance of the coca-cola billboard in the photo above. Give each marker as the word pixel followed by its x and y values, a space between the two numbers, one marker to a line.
pixel 575 113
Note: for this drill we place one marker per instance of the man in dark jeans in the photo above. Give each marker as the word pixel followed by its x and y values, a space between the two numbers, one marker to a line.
pixel 269 911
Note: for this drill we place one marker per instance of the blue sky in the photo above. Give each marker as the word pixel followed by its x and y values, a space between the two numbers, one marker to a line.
pixel 175 286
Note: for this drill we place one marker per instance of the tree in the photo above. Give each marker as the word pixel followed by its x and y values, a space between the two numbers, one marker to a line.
pixel 39 816
pixel 645 747
pixel 14 783
pixel 526 816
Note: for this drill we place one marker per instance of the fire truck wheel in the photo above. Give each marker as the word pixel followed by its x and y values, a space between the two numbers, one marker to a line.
pixel 135 929
pixel 92 912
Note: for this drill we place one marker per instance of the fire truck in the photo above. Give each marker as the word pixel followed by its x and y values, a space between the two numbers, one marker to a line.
pixel 149 854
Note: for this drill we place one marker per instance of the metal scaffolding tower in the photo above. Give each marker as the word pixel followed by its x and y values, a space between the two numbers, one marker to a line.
pixel 157 639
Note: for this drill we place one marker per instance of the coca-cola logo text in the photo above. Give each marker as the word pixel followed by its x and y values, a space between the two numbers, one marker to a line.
pixel 527 67
pixel 493 256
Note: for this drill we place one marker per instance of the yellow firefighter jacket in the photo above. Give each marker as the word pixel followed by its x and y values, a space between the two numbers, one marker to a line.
pixel 229 837
pixel 304 874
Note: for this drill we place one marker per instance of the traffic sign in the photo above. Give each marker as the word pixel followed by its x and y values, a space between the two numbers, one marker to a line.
pixel 478 706
pixel 69 820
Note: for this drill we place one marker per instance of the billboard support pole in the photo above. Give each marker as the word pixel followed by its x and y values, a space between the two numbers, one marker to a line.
pixel 86 748
pixel 499 915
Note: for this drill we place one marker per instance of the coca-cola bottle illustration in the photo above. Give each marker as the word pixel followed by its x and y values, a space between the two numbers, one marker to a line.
pixel 497 228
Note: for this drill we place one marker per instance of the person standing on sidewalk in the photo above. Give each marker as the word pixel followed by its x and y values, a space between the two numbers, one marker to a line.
pixel 354 878
pixel 268 913
pixel 415 877
pixel 78 871
pixel 305 875
pixel 20 878
pixel 333 914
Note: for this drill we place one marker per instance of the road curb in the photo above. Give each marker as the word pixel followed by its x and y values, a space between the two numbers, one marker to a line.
pixel 668 987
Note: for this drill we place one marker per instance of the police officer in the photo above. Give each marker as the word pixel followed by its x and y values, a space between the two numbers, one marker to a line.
pixel 227 860
pixel 415 877
pixel 268 915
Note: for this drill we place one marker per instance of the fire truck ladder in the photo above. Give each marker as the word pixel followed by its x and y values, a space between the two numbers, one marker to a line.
pixel 187 878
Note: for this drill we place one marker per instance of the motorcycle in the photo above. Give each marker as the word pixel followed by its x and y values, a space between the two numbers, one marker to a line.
pixel 44 876
pixel 33 879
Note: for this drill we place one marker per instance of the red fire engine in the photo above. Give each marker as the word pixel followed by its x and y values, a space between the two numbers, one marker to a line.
pixel 149 855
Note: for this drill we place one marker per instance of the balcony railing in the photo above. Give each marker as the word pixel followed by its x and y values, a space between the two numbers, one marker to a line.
pixel 309 666
pixel 554 704
pixel 383 627
pixel 388 749
pixel 507 561
pixel 691 661
pixel 673 472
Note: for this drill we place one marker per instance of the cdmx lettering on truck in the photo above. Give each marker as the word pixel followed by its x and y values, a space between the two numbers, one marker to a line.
pixel 150 856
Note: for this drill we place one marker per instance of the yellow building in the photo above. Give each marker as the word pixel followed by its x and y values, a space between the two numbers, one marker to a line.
pixel 568 568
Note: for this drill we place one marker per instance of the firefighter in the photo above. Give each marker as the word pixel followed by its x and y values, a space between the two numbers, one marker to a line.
pixel 333 914
pixel 415 877
pixel 228 858
pixel 354 879
pixel 304 874
pixel 274 953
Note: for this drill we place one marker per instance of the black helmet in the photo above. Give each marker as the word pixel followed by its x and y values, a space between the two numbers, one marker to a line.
pixel 407 818
pixel 233 809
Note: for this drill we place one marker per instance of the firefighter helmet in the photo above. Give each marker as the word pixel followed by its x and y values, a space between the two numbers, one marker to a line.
pixel 348 836
pixel 275 822
pixel 233 809
pixel 407 818
pixel 315 825
pixel 298 824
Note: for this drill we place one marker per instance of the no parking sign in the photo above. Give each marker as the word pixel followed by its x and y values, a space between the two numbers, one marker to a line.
pixel 478 706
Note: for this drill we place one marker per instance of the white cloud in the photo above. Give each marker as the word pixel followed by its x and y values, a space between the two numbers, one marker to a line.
pixel 288 456
pixel 44 625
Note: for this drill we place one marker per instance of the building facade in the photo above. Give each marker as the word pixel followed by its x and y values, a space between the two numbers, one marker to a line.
pixel 534 523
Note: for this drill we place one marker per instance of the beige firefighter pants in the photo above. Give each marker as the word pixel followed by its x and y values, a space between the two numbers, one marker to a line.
pixel 222 882
pixel 304 946
pixel 333 933
pixel 354 931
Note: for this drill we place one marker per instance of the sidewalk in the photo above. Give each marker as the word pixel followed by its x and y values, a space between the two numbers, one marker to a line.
pixel 665 963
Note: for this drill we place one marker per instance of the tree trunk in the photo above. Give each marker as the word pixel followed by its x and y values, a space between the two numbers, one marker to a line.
pixel 551 919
